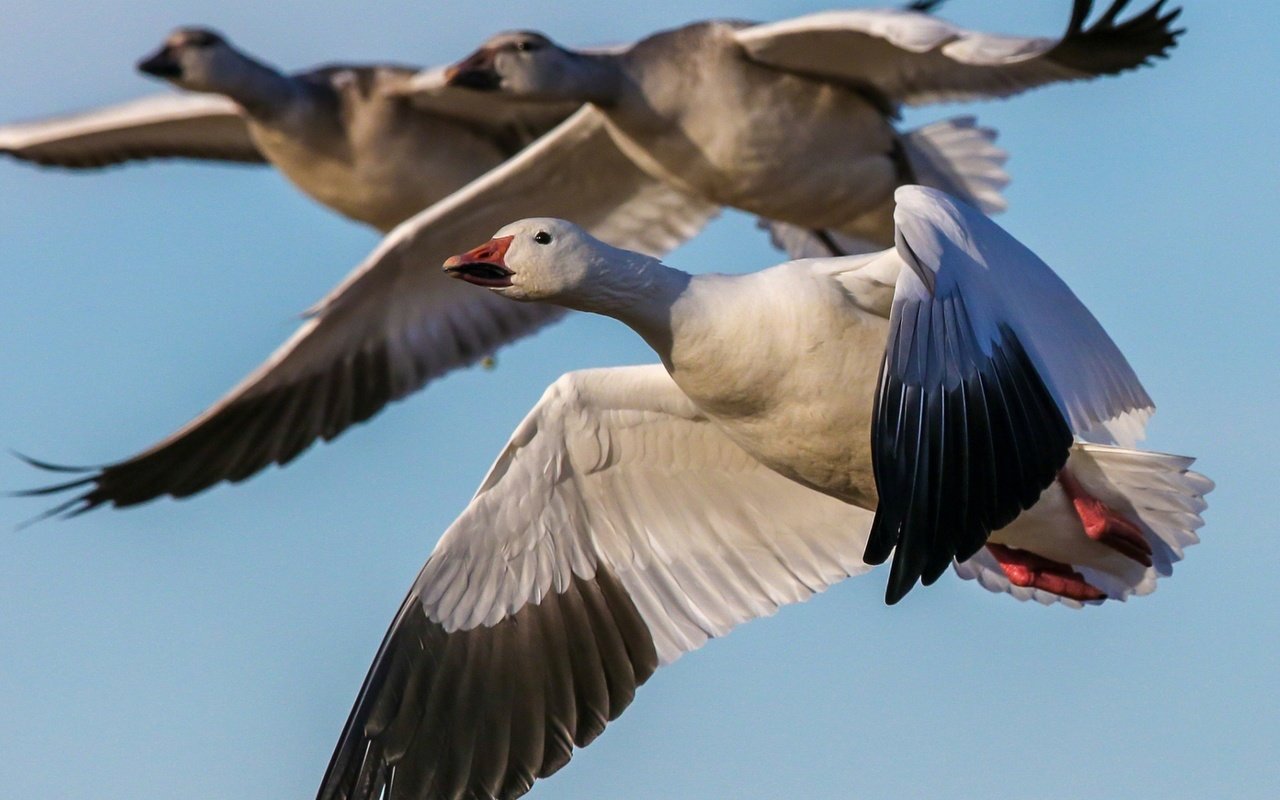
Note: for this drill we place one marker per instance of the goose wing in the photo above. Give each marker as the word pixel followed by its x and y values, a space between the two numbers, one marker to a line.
pixel 992 367
pixel 200 126
pixel 618 529
pixel 914 58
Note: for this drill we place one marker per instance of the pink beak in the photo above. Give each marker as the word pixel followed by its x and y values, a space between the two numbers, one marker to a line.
pixel 484 265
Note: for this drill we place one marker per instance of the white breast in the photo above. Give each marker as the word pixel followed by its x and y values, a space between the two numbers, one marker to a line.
pixel 786 363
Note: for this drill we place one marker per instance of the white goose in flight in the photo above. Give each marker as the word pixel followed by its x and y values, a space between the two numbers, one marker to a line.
pixel 805 420
pixel 792 120
pixel 679 124
pixel 373 142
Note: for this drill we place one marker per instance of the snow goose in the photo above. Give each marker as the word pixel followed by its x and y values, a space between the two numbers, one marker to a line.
pixel 373 142
pixel 808 102
pixel 638 511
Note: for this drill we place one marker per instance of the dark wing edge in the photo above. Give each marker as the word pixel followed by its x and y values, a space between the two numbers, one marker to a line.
pixel 1108 47
pixel 485 712
pixel 237 439
pixel 962 441
pixel 124 155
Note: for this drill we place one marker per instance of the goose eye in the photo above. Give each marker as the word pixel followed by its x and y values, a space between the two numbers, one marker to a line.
pixel 542 237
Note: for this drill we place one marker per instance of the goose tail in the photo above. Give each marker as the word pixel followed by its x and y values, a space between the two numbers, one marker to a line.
pixel 1158 494
pixel 959 157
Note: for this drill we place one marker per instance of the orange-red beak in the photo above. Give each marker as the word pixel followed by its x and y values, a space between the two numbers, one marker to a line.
pixel 476 71
pixel 484 265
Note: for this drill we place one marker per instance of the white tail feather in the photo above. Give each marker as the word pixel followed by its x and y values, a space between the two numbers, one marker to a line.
pixel 1157 492
pixel 961 158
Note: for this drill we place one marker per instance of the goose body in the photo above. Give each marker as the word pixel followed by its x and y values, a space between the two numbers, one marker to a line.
pixel 783 125
pixel 638 511
pixel 793 120
pixel 829 370
pixel 778 407
pixel 365 140
pixel 349 139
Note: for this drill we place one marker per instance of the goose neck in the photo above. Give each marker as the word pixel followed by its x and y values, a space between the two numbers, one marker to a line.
pixel 262 90
pixel 640 292
pixel 599 77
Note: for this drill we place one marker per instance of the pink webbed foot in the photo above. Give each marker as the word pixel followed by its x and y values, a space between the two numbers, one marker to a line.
pixel 1104 525
pixel 1024 568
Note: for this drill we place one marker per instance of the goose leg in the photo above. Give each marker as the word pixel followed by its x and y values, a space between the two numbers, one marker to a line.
pixel 1103 524
pixel 1024 568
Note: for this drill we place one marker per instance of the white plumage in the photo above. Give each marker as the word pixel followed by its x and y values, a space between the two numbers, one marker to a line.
pixel 617 466
pixel 638 511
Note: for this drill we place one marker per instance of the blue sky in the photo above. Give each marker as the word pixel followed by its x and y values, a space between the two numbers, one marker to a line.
pixel 211 648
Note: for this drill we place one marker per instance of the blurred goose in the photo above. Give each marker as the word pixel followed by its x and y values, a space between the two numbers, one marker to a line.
pixel 638 511
pixel 793 120
pixel 364 140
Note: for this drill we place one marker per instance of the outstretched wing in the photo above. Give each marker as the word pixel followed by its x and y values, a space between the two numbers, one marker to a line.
pixel 398 321
pixel 201 126
pixel 912 57
pixel 618 529
pixel 992 365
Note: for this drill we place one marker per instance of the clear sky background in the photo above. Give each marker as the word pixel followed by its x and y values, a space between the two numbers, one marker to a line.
pixel 211 648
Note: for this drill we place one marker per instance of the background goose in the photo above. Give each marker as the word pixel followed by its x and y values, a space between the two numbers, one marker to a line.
pixel 111 336
pixel 364 140
pixel 811 100
pixel 638 511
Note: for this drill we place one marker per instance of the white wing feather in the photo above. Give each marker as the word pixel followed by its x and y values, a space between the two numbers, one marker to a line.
pixel 1006 283
pixel 160 126
pixel 617 466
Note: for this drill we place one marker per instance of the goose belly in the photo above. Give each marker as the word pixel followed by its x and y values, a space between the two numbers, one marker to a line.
pixel 379 176
pixel 801 400
pixel 819 441
pixel 792 149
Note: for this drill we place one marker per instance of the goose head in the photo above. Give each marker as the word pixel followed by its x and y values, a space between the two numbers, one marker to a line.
pixel 533 259
pixel 554 261
pixel 531 66
pixel 197 59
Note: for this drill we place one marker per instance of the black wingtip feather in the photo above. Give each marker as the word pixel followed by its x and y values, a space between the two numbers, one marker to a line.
pixel 71 508
pixel 438 717
pixel 1109 46
pixel 47 466
pixel 923 6
pixel 937 437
